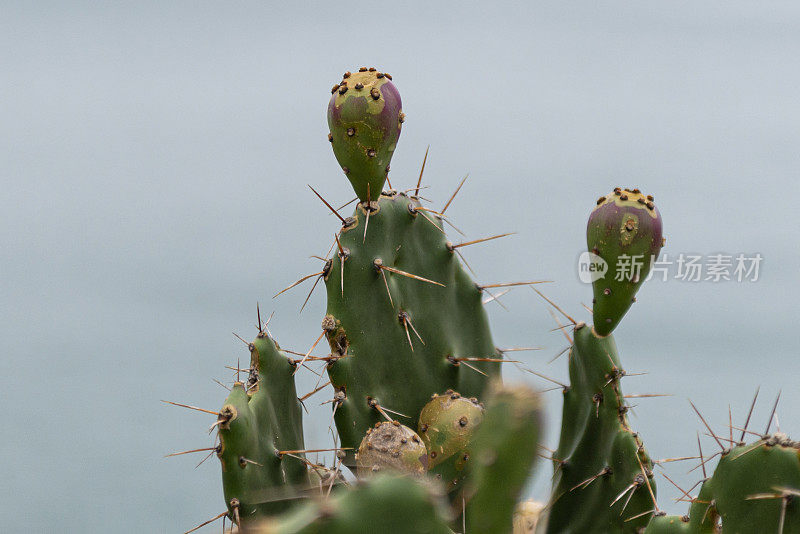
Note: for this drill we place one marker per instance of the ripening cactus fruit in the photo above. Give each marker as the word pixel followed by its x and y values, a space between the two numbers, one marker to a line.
pixel 625 230
pixel 365 118
pixel 394 447
pixel 447 424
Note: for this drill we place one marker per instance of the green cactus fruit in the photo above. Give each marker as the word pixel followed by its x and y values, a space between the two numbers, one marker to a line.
pixel 391 446
pixel 625 231
pixel 505 448
pixel 601 466
pixel 384 503
pixel 365 118
pixel 259 419
pixel 402 313
pixel 446 425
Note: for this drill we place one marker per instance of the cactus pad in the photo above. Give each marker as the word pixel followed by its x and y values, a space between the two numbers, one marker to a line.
pixel 602 468
pixel 388 504
pixel 259 419
pixel 401 313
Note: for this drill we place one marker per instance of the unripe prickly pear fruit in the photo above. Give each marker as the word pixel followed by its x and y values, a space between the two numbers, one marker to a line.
pixel 447 424
pixel 391 446
pixel 365 117
pixel 625 231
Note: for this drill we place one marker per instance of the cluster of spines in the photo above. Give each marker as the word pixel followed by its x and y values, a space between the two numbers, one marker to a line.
pixel 341 87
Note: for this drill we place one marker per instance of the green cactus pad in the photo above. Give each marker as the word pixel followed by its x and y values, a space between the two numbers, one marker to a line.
pixel 365 117
pixel 505 447
pixel 257 420
pixel 754 488
pixel 625 230
pixel 752 483
pixel 446 425
pixel 386 504
pixel 391 446
pixel 396 339
pixel 601 466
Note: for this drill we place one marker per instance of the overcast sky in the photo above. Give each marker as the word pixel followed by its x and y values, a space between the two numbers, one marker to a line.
pixel 154 161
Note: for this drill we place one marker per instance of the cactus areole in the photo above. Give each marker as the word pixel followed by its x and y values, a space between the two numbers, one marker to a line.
pixel 365 117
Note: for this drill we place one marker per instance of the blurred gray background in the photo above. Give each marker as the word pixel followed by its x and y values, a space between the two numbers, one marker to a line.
pixel 154 160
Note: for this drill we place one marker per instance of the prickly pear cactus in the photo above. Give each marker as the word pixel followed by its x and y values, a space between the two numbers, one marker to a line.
pixel 402 312
pixel 601 465
pixel 756 486
pixel 404 323
pixel 505 448
pixel 389 502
